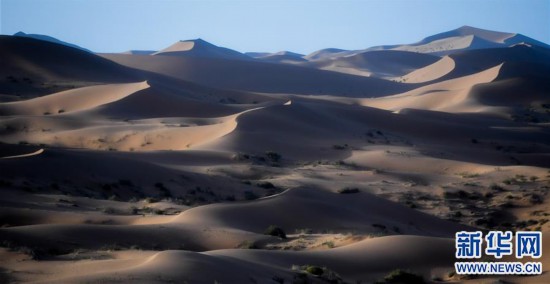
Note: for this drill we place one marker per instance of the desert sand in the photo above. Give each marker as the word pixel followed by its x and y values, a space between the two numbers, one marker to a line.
pixel 201 164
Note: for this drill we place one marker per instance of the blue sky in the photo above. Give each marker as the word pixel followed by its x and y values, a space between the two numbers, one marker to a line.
pixel 300 25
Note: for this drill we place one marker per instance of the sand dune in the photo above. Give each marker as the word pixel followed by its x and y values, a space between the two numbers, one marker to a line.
pixel 382 64
pixel 42 61
pixel 431 72
pixel 352 263
pixel 464 38
pixel 473 61
pixel 326 53
pixel 50 39
pixel 200 164
pixel 260 77
pixel 450 96
pixel 200 48
pixel 279 57
pixel 72 100
pixel 307 208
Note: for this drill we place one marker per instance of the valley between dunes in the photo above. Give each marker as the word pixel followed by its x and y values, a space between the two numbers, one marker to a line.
pixel 200 164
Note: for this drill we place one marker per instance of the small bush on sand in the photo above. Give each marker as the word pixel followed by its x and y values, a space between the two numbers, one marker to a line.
pixel 275 231
pixel 401 276
pixel 340 147
pixel 348 190
pixel 273 156
pixel 318 272
pixel 248 245
pixel 496 187
pixel 249 195
pixel 315 270
pixel 265 184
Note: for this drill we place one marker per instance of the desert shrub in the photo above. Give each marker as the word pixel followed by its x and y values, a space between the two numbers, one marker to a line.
pixel 151 200
pixel 401 276
pixel 468 175
pixel 273 156
pixel 163 189
pixel 305 231
pixel 319 272
pixel 379 226
pixel 496 187
pixel 348 190
pixel 275 231
pixel 241 157
pixel 37 253
pixel 340 147
pixel 134 210
pixel 315 270
pixel 249 195
pixel 411 204
pixel 521 178
pixel 108 210
pixel 536 199
pixel 248 245
pixel 265 184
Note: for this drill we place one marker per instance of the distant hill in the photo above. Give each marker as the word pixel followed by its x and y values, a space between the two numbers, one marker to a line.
pixel 200 48
pixel 50 39
pixel 463 38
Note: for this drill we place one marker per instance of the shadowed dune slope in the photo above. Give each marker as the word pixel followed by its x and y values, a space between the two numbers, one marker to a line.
pixel 368 261
pixel 46 61
pixel 382 63
pixel 72 100
pixel 261 77
pixel 473 61
pixel 320 211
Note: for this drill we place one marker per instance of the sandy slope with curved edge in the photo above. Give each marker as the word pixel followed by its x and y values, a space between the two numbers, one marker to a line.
pixel 73 100
pixel 450 96
pixel 37 152
pixel 99 118
pixel 367 260
pixel 380 63
pixel 256 76
pixel 318 210
pixel 431 72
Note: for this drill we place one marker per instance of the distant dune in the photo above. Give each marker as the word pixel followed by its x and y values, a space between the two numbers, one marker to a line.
pixel 200 48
